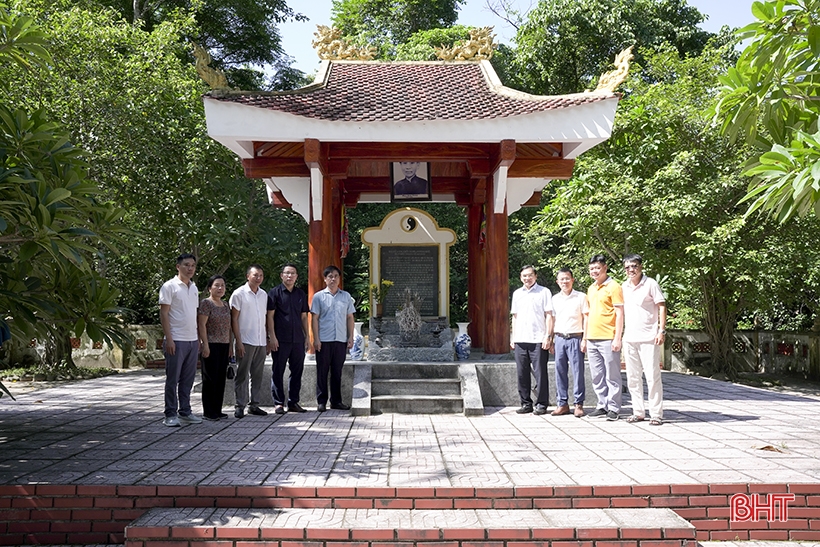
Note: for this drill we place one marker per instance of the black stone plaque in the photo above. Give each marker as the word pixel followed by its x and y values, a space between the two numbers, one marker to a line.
pixel 414 267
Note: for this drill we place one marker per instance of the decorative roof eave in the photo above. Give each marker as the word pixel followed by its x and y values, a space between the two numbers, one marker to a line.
pixel 580 127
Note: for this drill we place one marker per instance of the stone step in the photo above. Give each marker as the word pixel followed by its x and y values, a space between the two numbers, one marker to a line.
pixel 191 527
pixel 415 370
pixel 417 404
pixel 412 386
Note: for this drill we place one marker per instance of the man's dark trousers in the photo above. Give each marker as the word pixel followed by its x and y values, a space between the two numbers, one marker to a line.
pixel 295 353
pixel 532 355
pixel 330 359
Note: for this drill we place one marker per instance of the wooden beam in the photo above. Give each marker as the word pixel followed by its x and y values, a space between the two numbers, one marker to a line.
pixel 338 168
pixel 351 199
pixel 278 200
pixel 541 168
pixel 398 151
pixel 534 201
pixel 261 168
pixel 313 152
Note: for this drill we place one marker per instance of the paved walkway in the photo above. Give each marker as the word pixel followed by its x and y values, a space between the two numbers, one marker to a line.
pixel 109 431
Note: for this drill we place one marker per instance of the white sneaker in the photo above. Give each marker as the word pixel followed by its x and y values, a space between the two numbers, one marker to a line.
pixel 190 419
pixel 173 421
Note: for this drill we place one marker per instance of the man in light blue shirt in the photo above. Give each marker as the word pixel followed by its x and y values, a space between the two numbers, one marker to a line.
pixel 332 321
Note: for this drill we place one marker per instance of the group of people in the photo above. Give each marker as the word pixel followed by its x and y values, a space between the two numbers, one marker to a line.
pixel 251 324
pixel 602 323
pixel 607 320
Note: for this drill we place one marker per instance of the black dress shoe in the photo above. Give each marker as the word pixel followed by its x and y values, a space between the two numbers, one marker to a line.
pixel 256 411
pixel 525 409
pixel 340 406
pixel 239 413
pixel 296 407
pixel 222 415
pixel 321 408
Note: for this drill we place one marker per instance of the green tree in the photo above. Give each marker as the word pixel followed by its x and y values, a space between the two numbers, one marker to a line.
pixel 388 23
pixel 242 36
pixel 133 100
pixel 666 185
pixel 770 100
pixel 54 228
pixel 422 45
pixel 564 45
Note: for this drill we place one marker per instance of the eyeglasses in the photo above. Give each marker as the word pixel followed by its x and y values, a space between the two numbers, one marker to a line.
pixel 632 266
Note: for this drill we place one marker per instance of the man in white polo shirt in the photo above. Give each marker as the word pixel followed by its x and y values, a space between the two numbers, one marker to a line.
pixel 530 339
pixel 568 305
pixel 178 302
pixel 644 331
pixel 251 329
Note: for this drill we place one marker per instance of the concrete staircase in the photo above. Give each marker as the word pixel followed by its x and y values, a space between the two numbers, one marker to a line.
pixel 416 388
pixel 195 527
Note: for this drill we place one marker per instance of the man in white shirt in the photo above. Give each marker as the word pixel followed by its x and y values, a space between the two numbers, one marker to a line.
pixel 251 329
pixel 644 332
pixel 178 302
pixel 530 339
pixel 568 305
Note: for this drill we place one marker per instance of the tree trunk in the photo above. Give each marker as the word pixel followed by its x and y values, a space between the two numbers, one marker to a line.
pixel 58 351
pixel 721 307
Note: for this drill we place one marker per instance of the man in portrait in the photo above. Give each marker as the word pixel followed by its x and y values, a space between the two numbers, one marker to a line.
pixel 411 185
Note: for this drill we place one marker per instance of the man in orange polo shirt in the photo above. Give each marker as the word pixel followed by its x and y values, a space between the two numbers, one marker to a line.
pixel 602 338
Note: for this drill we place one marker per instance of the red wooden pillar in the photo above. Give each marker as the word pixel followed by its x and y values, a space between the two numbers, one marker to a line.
pixel 497 282
pixel 335 220
pixel 476 276
pixel 320 235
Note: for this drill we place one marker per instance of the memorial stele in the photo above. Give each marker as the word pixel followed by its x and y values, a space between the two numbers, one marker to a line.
pixel 413 236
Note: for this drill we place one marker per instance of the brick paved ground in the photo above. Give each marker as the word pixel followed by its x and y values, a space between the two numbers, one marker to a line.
pixel 109 431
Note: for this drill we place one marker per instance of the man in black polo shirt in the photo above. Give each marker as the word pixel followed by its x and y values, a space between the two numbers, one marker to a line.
pixel 288 309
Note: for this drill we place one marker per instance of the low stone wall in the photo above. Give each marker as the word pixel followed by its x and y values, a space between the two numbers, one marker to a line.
pixel 146 346
pixel 759 351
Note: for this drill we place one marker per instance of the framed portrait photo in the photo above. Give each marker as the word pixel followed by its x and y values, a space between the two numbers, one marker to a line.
pixel 410 181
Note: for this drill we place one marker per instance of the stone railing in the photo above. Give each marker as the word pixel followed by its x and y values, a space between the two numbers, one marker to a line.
pixel 760 351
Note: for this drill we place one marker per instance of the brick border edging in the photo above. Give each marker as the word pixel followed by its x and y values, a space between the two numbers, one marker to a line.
pixel 86 514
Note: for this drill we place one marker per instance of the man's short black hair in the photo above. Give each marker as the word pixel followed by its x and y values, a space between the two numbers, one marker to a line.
pixel 254 267
pixel 327 271
pixel 598 259
pixel 185 256
pixel 565 270
pixel 289 265
pixel 636 258
pixel 529 267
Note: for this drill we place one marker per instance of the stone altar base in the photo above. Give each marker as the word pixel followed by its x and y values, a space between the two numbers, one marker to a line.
pixel 433 343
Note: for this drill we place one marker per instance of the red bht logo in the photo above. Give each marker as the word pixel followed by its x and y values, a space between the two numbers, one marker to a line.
pixel 745 507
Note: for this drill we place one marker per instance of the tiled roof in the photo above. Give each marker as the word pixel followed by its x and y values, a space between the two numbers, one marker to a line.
pixel 380 92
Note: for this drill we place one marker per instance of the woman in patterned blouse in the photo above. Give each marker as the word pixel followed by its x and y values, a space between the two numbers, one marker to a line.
pixel 214 319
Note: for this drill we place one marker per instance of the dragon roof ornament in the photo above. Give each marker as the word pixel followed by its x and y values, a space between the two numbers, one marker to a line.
pixel 480 46
pixel 610 81
pixel 330 45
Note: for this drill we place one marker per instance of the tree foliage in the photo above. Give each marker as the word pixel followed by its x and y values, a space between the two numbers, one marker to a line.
pixel 666 185
pixel 55 228
pixel 770 100
pixel 133 100
pixel 388 23
pixel 564 45
pixel 242 36
pixel 422 45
